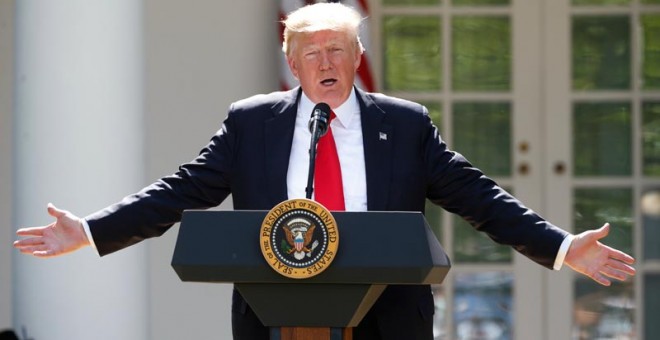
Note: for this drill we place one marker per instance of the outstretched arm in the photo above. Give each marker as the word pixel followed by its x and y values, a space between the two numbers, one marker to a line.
pixel 588 256
pixel 63 236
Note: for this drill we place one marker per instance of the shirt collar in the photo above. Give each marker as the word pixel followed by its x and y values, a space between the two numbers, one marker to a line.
pixel 346 112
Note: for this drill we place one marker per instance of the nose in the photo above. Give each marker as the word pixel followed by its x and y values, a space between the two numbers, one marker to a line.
pixel 325 62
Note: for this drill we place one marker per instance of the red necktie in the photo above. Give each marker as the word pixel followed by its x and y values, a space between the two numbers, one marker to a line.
pixel 328 188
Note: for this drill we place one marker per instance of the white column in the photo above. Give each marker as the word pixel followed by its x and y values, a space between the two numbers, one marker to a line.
pixel 78 142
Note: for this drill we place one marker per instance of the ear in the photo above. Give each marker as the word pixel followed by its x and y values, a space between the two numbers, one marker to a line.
pixel 292 66
pixel 358 59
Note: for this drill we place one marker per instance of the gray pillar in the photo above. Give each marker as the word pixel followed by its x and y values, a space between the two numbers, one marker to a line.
pixel 6 233
pixel 78 142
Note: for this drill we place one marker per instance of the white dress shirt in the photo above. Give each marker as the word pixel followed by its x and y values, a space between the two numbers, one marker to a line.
pixel 347 131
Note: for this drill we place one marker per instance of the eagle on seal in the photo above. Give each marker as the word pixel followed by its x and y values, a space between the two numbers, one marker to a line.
pixel 299 234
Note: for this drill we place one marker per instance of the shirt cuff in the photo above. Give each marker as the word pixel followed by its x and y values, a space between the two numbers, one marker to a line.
pixel 563 250
pixel 89 234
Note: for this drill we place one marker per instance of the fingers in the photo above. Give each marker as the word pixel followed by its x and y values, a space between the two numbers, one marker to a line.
pixel 36 246
pixel 600 278
pixel 622 268
pixel 614 268
pixel 621 256
pixel 620 261
pixel 28 242
pixel 64 235
pixel 42 251
pixel 30 245
pixel 614 273
pixel 32 249
pixel 39 231
pixel 32 231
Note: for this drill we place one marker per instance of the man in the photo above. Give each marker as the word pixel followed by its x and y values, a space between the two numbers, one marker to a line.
pixel 260 156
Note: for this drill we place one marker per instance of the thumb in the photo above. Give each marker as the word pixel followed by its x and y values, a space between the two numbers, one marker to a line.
pixel 602 232
pixel 53 211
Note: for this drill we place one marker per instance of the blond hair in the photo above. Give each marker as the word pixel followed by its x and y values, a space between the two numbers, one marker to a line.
pixel 321 17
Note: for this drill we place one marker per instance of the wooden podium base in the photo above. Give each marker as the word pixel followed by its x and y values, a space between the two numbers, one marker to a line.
pixel 306 333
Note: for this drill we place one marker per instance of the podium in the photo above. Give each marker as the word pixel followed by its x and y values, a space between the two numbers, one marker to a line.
pixel 375 249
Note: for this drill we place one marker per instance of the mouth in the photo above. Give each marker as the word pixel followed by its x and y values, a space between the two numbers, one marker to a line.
pixel 328 82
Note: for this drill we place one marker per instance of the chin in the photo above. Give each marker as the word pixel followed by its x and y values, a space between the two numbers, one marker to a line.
pixel 333 99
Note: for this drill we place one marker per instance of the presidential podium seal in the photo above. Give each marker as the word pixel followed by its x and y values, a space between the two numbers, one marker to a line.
pixel 299 238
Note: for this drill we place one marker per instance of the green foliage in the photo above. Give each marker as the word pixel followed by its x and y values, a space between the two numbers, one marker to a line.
pixel 601 2
pixel 651 51
pixel 602 139
pixel 481 53
pixel 601 52
pixel 413 58
pixel 651 138
pixel 479 2
pixel 482 133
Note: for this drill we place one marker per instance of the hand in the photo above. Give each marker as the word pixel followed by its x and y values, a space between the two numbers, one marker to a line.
pixel 63 236
pixel 588 256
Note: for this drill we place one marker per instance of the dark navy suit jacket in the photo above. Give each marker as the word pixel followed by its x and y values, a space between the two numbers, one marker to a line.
pixel 249 158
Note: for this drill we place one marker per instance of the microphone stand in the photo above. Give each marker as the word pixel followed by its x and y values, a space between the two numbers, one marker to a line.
pixel 312 161
pixel 318 126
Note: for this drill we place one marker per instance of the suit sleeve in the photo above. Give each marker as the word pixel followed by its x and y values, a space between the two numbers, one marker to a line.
pixel 202 183
pixel 460 188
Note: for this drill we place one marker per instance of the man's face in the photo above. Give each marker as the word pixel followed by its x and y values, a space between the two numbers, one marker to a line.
pixel 325 63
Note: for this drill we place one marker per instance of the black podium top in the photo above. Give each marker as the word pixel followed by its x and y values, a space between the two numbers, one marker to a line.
pixel 374 248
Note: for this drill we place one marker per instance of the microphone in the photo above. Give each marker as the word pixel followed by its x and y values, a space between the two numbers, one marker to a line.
pixel 318 126
pixel 318 123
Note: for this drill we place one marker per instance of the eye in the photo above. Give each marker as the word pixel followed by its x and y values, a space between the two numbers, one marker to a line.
pixel 311 54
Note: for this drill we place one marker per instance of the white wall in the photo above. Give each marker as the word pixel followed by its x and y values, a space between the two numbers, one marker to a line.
pixel 200 57
pixel 6 93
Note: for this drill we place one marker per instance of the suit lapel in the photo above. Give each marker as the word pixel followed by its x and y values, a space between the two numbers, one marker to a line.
pixel 377 136
pixel 278 135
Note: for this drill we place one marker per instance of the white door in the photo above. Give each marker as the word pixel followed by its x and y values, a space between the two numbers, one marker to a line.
pixel 602 84
pixel 558 101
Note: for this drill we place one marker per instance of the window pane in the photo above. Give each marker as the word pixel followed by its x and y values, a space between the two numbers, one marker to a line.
pixel 480 2
pixel 651 51
pixel 651 138
pixel 412 53
pixel 651 306
pixel 435 112
pixel 483 135
pixel 604 312
pixel 481 54
pixel 440 327
pixel 483 305
pixel 600 2
pixel 602 139
pixel 601 52
pixel 595 207
pixel 472 246
pixel 411 2
pixel 650 207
